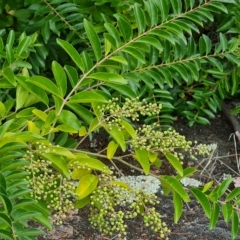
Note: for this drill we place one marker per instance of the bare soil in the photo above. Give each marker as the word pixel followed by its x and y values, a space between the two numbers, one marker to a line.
pixel 193 223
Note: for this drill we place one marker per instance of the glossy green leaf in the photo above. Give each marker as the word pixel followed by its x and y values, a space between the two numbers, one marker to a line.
pixel 81 111
pixel 203 200
pixel 151 41
pixel 82 203
pixel 72 52
pixel 23 45
pixel 6 203
pixel 9 54
pixel 90 163
pixel 234 193
pixel 36 91
pixel 25 216
pixel 8 74
pixel 77 174
pixel 87 60
pixel 94 39
pixel 6 235
pixel 174 161
pixel 140 18
pixel 214 215
pixel 176 186
pixel 142 158
pixel 45 84
pixel 178 207
pixel 124 26
pixel 235 225
pixel 58 162
pixel 119 59
pixel 60 77
pixel 117 135
pixel 227 210
pixel 5 219
pixel 69 118
pixel 129 128
pixel 108 77
pixel 31 232
pixel 87 97
pixel 2 181
pixel 135 53
pixel 207 186
pixel 72 75
pixel 111 149
pixel 86 186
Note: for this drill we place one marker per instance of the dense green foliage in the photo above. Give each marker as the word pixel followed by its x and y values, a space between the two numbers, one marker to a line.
pixel 70 69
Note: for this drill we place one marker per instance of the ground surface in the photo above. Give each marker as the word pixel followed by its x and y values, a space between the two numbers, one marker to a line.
pixel 193 223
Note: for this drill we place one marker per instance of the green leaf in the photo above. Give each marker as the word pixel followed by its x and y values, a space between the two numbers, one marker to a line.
pixel 72 52
pixel 87 97
pixel 124 26
pixel 5 219
pixel 87 60
pixel 129 128
pixel 214 215
pixel 207 186
pixel 45 84
pixel 178 207
pixel 94 40
pixel 174 161
pixel 119 59
pixel 135 53
pixel 58 162
pixel 2 181
pixel 25 216
pixel 227 210
pixel 125 90
pixel 163 35
pixel 176 186
pixel 86 186
pixel 11 38
pixel 108 77
pixel 37 92
pixel 9 54
pixel 143 159
pixel 72 75
pixel 24 202
pixel 234 193
pixel 70 119
pixel 111 149
pixel 82 112
pixel 23 45
pixel 164 9
pixel 140 18
pixel 82 203
pixel 151 41
pixel 8 74
pixel 60 77
pixel 203 200
pixel 31 232
pixel 235 225
pixel 6 203
pixel 91 163
pixel 21 96
pixel 117 135
pixel 6 235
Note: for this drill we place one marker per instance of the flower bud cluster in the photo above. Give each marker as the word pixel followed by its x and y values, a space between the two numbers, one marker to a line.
pixel 110 208
pixel 152 138
pixel 132 108
pixel 48 185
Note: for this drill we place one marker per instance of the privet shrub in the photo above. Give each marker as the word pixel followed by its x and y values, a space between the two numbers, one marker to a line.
pixel 70 69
